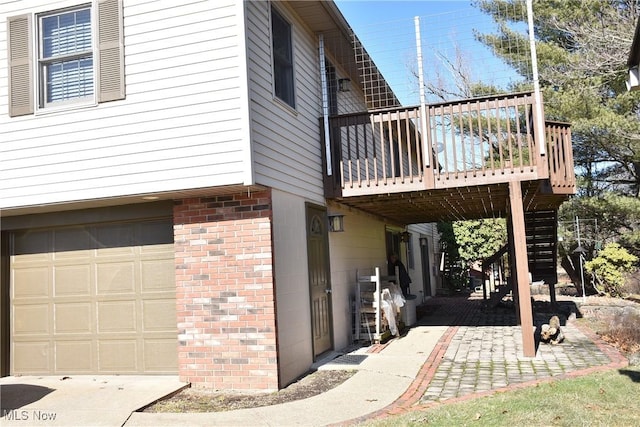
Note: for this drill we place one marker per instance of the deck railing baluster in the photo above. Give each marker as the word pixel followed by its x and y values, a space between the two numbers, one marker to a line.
pixel 407 138
pixel 445 167
pixel 454 148
pixel 398 151
pixel 499 136
pixel 420 160
pixel 483 160
pixel 471 140
pixel 516 114
pixel 462 134
pixel 490 142
pixel 509 136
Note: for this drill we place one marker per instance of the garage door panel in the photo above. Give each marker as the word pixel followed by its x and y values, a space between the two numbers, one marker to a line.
pixel 118 356
pixel 73 318
pixel 116 277
pixel 74 356
pixel 74 257
pixel 117 316
pixel 158 275
pixel 31 282
pixel 72 280
pixel 123 253
pixel 32 319
pixel 33 357
pixel 160 355
pixel 152 251
pixel 159 315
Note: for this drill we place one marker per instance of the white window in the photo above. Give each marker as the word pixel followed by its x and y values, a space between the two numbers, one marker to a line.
pixel 65 62
pixel 282 58
pixel 79 57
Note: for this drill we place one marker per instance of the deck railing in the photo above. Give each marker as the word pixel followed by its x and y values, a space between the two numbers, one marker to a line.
pixel 470 142
pixel 560 157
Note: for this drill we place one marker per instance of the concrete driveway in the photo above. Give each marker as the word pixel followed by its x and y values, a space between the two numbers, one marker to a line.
pixel 78 400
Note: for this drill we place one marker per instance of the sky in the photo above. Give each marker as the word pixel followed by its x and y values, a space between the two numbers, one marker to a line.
pixel 387 27
pixel 363 12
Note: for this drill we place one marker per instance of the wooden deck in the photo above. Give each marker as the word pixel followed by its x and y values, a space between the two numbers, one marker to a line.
pixel 474 148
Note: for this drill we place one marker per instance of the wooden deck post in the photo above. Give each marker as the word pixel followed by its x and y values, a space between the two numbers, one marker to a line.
pixel 521 281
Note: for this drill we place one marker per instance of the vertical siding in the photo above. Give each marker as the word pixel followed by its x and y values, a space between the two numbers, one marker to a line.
pixel 183 124
pixel 286 142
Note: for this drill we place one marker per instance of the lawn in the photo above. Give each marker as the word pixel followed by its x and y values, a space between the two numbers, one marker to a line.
pixel 610 398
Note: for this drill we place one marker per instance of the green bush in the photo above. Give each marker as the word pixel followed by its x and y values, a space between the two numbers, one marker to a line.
pixel 610 267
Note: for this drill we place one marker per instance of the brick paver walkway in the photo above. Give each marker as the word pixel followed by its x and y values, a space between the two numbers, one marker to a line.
pixel 481 354
pixel 485 353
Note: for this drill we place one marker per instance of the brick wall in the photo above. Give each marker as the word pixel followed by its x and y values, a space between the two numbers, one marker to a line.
pixel 225 293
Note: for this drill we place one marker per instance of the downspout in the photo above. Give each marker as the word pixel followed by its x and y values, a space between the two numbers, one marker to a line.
pixel 325 105
pixel 537 96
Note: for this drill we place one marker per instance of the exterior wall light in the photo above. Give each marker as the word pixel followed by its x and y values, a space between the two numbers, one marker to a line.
pixel 336 222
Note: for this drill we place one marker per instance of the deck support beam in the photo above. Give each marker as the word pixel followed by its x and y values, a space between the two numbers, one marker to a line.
pixel 521 270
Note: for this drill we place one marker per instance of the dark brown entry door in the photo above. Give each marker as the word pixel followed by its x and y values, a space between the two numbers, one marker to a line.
pixel 319 278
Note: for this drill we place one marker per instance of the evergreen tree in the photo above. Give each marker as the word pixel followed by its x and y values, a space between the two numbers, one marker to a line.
pixel 582 48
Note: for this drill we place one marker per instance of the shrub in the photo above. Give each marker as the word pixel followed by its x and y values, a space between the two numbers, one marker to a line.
pixel 610 266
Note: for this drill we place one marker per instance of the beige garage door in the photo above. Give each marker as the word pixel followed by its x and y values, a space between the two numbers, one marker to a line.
pixel 94 299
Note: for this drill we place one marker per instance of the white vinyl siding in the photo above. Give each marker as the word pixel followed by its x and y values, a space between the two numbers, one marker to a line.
pixel 181 126
pixel 286 143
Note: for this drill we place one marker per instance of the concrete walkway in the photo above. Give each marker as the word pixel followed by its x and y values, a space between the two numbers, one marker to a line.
pixel 457 350
pixel 384 373
pixel 79 400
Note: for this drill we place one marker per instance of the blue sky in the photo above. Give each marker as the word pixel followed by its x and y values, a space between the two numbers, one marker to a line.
pixel 364 12
pixel 386 28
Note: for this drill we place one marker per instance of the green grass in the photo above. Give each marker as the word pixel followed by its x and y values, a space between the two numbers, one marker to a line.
pixel 610 398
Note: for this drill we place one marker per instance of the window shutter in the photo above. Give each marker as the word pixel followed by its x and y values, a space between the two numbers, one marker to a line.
pixel 110 51
pixel 20 65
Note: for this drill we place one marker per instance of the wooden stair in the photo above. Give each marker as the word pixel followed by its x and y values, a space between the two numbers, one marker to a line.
pixel 541 228
pixel 542 236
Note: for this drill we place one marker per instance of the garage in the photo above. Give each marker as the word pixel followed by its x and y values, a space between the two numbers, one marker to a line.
pixel 93 299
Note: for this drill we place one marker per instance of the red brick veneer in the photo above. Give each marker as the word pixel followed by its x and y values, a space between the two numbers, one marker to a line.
pixel 225 292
